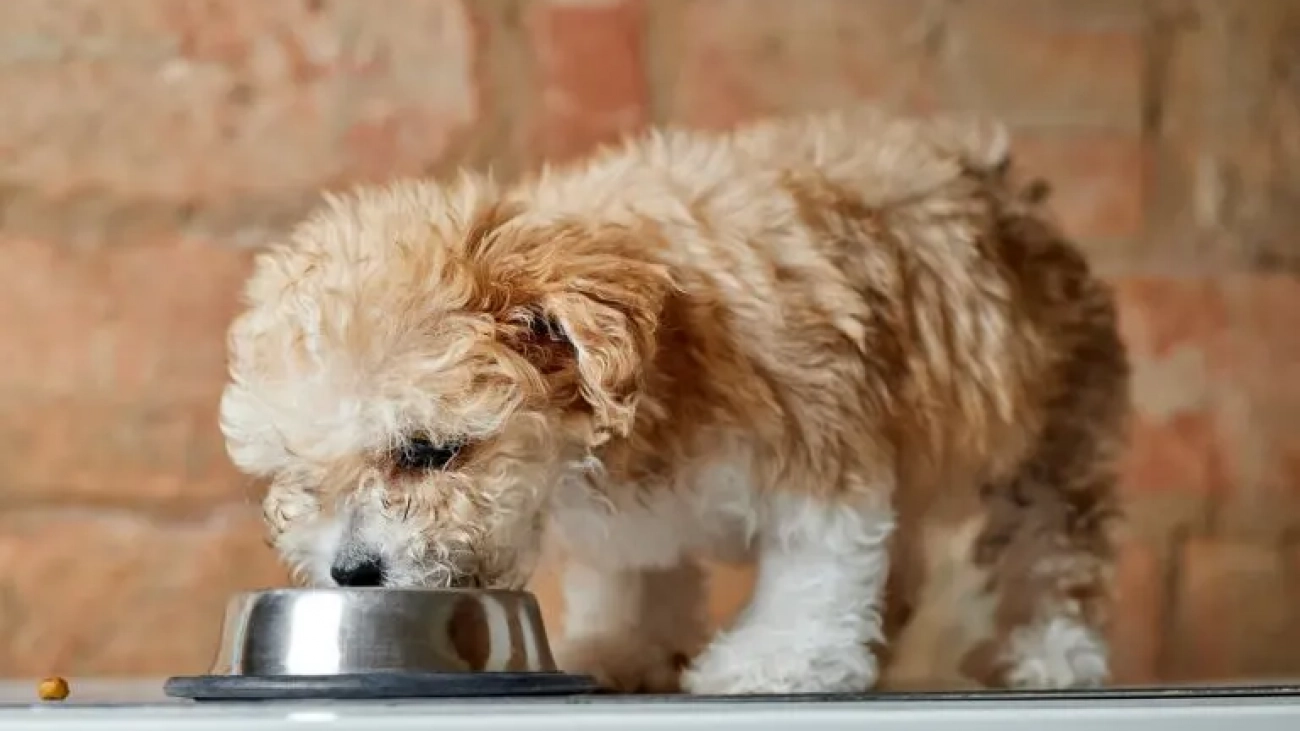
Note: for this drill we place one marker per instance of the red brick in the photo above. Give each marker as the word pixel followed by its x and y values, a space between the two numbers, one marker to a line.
pixel 1237 614
pixel 1161 315
pixel 1137 628
pixel 1187 182
pixel 414 88
pixel 1259 367
pixel 1171 328
pixel 195 101
pixel 115 594
pixel 589 73
pixel 1175 466
pixel 1098 178
pixel 1264 346
pixel 1054 61
pixel 1182 453
pixel 1228 133
pixel 1216 386
pixel 730 60
pixel 116 359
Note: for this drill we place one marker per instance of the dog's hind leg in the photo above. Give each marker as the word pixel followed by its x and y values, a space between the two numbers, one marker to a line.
pixel 1047 538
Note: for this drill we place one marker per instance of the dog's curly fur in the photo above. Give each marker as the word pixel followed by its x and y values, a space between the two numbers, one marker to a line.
pixel 843 345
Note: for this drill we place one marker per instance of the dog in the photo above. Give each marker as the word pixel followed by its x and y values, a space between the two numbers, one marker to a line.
pixel 845 346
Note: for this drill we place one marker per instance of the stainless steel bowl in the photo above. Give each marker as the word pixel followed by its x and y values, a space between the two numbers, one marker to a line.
pixel 342 631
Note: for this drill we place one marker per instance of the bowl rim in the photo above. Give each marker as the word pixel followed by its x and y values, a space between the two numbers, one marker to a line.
pixel 373 590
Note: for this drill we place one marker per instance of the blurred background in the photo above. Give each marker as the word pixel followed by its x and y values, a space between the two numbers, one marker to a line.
pixel 149 147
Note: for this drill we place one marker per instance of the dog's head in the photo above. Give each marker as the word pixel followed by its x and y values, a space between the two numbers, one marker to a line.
pixel 419 365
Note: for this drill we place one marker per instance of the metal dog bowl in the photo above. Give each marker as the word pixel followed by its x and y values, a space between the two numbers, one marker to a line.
pixel 380 643
pixel 339 631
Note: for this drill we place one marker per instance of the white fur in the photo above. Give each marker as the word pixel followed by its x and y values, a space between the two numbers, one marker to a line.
pixel 712 511
pixel 311 551
pixel 1057 652
pixel 816 606
pixel 822 569
pixel 364 527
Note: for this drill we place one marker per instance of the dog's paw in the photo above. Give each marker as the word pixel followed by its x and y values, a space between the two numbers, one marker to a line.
pixel 744 663
pixel 1059 653
pixel 625 665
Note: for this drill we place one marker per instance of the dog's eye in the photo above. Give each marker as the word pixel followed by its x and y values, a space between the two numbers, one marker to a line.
pixel 419 453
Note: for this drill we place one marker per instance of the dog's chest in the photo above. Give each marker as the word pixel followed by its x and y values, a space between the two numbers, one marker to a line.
pixel 709 511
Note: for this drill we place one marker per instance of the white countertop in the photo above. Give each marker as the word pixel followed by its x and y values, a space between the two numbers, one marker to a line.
pixel 112 705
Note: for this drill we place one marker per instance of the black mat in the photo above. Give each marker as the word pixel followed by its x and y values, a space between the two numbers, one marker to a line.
pixel 582 689
pixel 376 686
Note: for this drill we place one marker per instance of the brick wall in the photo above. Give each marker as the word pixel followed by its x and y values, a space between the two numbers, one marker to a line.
pixel 147 146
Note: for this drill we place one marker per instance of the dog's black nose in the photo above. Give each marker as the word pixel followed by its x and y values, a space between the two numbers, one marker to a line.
pixel 366 572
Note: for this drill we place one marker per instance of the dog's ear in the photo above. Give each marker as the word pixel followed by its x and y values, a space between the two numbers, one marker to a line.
pixel 593 320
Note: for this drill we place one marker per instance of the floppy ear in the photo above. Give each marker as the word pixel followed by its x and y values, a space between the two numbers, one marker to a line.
pixel 596 318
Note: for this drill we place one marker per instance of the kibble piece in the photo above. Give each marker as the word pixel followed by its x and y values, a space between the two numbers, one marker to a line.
pixel 53 689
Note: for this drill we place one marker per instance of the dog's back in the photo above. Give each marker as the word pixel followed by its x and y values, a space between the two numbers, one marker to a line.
pixel 872 270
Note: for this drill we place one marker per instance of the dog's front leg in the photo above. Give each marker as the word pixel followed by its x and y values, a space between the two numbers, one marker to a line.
pixel 816 605
pixel 633 630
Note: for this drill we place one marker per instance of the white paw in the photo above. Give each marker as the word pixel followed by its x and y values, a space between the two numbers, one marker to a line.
pixel 1058 653
pixel 623 664
pixel 746 662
